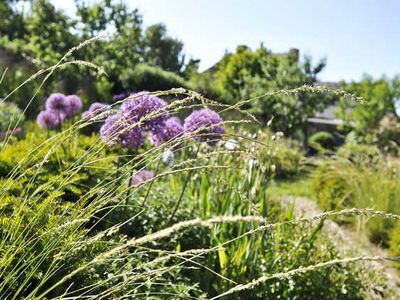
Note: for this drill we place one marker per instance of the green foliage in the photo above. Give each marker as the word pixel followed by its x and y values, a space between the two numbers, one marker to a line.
pixel 387 135
pixel 322 141
pixel 144 77
pixel 363 118
pixel 341 183
pixel 10 116
pixel 71 195
pixel 239 192
pixel 360 154
pixel 394 242
pixel 162 50
pixel 37 39
pixel 283 156
pixel 250 74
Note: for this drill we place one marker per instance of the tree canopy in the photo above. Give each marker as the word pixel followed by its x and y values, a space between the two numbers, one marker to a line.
pixel 248 74
pixel 39 37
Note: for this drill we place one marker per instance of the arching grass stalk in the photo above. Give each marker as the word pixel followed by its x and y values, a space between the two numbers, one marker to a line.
pixel 301 270
pixel 183 188
pixel 135 242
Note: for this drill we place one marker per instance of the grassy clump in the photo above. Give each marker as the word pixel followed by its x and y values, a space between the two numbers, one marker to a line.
pixel 341 183
pixel 322 141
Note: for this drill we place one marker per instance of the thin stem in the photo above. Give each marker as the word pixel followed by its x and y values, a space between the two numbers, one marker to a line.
pixel 128 192
pixel 183 189
pixel 151 183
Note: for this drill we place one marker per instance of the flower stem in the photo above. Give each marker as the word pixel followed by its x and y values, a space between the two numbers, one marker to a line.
pixel 183 189
pixel 151 183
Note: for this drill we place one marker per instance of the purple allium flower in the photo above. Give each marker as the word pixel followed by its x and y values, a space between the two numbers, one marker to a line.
pixel 57 101
pixel 170 129
pixel 94 109
pixel 120 97
pixel 206 123
pixel 142 105
pixel 140 177
pixel 74 104
pixel 49 119
pixel 115 130
pixel 133 138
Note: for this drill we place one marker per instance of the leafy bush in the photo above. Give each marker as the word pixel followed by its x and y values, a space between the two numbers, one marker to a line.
pixel 360 154
pixel 10 115
pixel 331 187
pixel 387 136
pixel 282 156
pixel 322 141
pixel 148 78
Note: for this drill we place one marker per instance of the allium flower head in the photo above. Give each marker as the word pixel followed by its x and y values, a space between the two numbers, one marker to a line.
pixel 112 129
pixel 206 123
pixel 57 101
pixel 73 105
pixel 133 138
pixel 49 119
pixel 147 107
pixel 171 128
pixel 116 130
pixel 140 177
pixel 94 109
pixel 120 97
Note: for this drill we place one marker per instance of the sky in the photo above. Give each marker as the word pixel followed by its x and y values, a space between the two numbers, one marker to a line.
pixel 355 36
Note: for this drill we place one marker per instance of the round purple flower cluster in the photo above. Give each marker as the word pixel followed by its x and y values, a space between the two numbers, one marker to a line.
pixel 74 104
pixel 206 126
pixel 123 128
pixel 58 108
pixel 120 97
pixel 117 130
pixel 147 108
pixel 144 112
pixel 140 177
pixel 49 119
pixel 56 101
pixel 171 128
pixel 94 110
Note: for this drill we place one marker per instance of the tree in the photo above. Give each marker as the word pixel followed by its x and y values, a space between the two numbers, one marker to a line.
pixel 162 50
pixel 250 74
pixel 12 24
pixel 379 96
pixel 37 39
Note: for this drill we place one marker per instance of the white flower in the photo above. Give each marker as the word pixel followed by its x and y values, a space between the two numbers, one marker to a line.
pixel 231 144
pixel 168 157
pixel 253 163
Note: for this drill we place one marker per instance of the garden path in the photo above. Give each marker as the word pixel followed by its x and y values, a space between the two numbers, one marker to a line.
pixel 349 242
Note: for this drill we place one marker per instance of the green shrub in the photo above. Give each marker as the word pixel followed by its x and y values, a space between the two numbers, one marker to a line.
pixel 331 187
pixel 360 154
pixel 342 184
pixel 148 78
pixel 387 136
pixel 10 116
pixel 283 156
pixel 322 141
pixel 287 161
